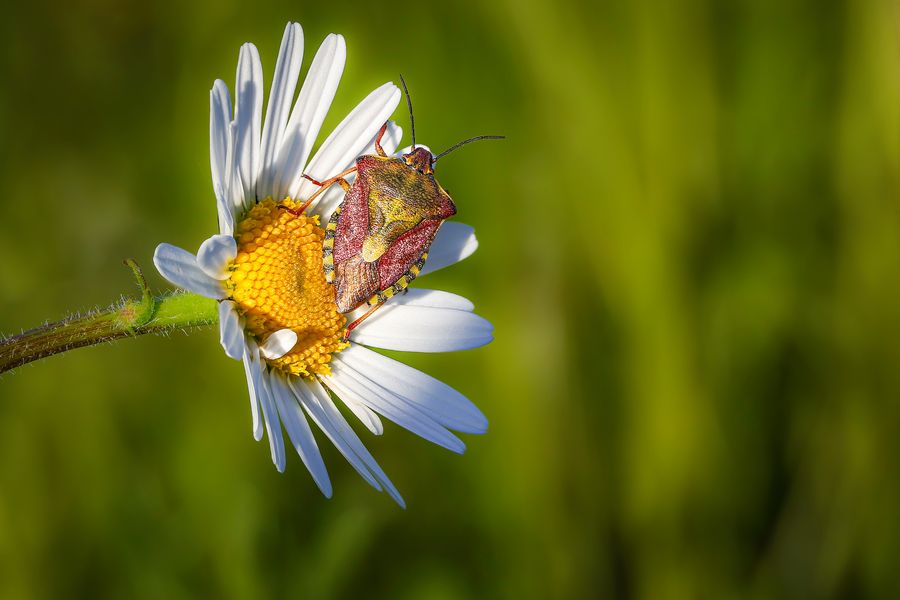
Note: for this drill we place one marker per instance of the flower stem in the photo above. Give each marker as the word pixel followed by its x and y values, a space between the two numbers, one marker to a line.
pixel 129 318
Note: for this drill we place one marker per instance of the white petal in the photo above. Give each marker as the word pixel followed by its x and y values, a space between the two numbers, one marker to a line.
pixel 453 243
pixel 219 143
pixel 356 405
pixel 436 399
pixel 234 192
pixel 300 433
pixel 423 329
pixel 248 94
pixel 352 136
pixel 273 424
pixel 180 268
pixel 284 82
pixel 337 431
pixel 231 334
pixel 253 372
pixel 396 408
pixel 431 298
pixel 328 201
pixel 214 255
pixel 219 118
pixel 225 212
pixel 278 344
pixel 309 112
pixel 418 297
pixel 321 409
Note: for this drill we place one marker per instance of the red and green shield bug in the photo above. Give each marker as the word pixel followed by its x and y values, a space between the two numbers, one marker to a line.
pixel 377 239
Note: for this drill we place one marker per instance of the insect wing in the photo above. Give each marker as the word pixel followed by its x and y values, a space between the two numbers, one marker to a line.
pixel 397 266
pixel 352 222
pixel 355 282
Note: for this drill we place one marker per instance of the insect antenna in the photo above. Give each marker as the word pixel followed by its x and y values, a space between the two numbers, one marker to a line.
pixel 412 122
pixel 468 141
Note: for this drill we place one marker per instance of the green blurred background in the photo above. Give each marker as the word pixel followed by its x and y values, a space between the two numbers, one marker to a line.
pixel 690 249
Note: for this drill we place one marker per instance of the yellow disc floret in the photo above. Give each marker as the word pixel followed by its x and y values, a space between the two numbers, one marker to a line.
pixel 277 282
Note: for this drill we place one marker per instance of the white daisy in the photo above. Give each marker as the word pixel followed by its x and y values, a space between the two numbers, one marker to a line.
pixel 276 312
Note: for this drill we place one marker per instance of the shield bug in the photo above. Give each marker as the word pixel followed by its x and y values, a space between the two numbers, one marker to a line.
pixel 377 239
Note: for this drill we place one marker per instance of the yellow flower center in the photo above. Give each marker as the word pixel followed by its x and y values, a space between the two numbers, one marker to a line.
pixel 277 282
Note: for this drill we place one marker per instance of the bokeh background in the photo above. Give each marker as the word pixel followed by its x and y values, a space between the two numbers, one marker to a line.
pixel 690 249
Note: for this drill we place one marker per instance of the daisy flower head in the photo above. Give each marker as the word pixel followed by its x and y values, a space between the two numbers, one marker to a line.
pixel 277 313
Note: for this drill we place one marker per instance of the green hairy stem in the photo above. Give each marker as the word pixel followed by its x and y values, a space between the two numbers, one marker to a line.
pixel 130 318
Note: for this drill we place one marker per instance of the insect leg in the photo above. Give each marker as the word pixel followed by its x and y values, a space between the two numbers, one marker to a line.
pixel 357 322
pixel 324 185
pixel 378 137
pixel 340 180
pixel 331 180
